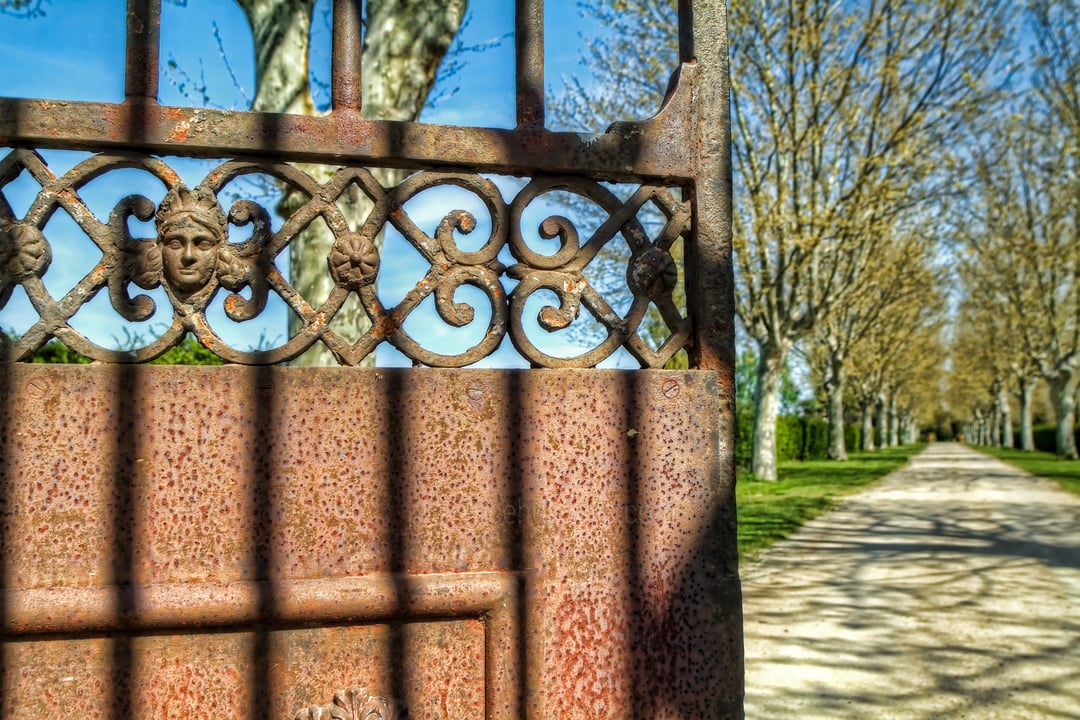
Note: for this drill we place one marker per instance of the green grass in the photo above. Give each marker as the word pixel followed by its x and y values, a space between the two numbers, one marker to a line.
pixel 1043 464
pixel 770 511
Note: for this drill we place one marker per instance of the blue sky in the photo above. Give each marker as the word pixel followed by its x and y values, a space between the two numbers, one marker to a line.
pixel 76 52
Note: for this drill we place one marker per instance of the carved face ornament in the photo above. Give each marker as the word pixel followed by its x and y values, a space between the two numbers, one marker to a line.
pixel 189 255
pixel 191 232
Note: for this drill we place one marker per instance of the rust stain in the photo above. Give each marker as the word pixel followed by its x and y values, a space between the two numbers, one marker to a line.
pixel 181 132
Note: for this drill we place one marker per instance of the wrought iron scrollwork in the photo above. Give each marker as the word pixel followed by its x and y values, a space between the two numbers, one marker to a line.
pixel 192 258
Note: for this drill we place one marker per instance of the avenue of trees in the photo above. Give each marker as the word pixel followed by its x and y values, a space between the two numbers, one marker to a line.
pixel 859 138
pixel 1018 328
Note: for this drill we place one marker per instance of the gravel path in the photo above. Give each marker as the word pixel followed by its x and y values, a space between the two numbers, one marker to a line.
pixel 951 589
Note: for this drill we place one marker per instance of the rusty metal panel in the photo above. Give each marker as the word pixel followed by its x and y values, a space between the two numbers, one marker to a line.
pixel 462 543
pixel 247 673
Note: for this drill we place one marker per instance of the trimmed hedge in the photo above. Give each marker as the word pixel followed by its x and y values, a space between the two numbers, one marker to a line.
pixel 797 438
pixel 789 438
pixel 852 437
pixel 188 352
pixel 744 437
pixel 815 439
pixel 1045 437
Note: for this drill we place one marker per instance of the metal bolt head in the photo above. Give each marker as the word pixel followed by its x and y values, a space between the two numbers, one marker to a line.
pixel 652 273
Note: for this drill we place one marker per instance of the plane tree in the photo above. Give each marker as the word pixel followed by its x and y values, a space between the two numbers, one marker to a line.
pixel 1025 243
pixel 897 362
pixel 900 272
pixel 988 311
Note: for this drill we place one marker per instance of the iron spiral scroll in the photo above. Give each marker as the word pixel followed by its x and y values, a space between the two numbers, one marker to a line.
pixel 192 259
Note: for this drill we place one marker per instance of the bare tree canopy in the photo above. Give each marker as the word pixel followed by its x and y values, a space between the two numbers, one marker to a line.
pixel 841 115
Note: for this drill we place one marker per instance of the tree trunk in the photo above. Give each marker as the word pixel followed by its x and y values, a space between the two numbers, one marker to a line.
pixel 1006 418
pixel 995 424
pixel 1027 433
pixel 866 417
pixel 1061 395
pixel 834 390
pixel 911 429
pixel 403 46
pixel 882 434
pixel 894 423
pixel 767 408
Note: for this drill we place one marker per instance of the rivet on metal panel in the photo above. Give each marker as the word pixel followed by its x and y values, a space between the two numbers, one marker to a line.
pixel 475 393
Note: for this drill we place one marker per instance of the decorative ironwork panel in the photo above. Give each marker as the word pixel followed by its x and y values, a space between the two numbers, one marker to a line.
pixel 193 259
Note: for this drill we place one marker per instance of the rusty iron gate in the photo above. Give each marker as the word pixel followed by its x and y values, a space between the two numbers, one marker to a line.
pixel 262 541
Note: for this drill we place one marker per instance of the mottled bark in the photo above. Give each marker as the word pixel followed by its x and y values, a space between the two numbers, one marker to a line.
pixel 1027 395
pixel 995 424
pixel 881 432
pixel 770 370
pixel 403 46
pixel 910 429
pixel 281 30
pixel 866 418
pixel 1006 418
pixel 834 390
pixel 894 422
pixel 1062 396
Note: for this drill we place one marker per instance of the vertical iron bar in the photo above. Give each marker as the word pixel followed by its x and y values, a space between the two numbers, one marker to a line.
pixel 710 300
pixel 686 30
pixel 143 49
pixel 710 277
pixel 346 84
pixel 529 46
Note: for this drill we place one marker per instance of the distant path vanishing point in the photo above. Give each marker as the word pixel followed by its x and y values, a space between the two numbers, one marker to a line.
pixel 950 589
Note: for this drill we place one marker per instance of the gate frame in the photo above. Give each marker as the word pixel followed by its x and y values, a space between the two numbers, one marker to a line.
pixel 686 144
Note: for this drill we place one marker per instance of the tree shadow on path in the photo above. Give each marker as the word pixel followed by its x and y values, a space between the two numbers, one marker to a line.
pixel 950 589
